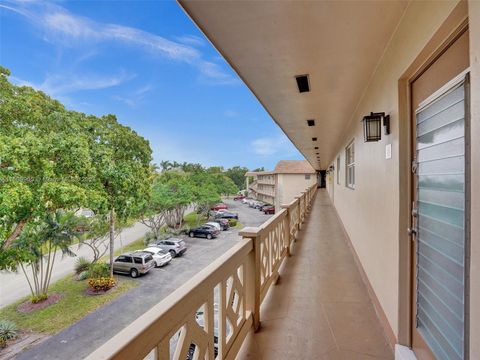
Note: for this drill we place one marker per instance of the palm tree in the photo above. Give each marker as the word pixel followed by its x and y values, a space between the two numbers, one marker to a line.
pixel 41 241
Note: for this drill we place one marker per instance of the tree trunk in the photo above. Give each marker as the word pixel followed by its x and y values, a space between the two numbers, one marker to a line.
pixel 112 239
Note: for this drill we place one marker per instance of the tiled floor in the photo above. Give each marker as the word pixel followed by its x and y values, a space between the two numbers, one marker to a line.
pixel 320 308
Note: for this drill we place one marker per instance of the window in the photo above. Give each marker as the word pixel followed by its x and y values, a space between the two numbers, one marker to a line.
pixel 307 176
pixel 350 165
pixel 338 170
pixel 137 260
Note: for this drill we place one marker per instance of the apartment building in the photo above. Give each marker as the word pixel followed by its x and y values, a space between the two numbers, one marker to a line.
pixel 283 184
pixel 385 96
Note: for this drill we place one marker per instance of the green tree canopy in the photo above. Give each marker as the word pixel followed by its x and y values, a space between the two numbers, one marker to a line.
pixel 52 158
pixel 237 174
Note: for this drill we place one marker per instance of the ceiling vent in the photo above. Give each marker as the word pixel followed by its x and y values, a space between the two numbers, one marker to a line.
pixel 311 122
pixel 302 83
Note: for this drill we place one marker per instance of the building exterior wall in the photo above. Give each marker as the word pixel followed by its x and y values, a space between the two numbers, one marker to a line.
pixel 290 185
pixel 370 212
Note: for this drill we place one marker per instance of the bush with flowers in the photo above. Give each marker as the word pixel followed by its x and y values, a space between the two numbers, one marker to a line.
pixel 101 284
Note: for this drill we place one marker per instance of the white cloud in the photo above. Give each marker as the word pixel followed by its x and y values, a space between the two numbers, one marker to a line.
pixel 230 113
pixel 134 97
pixel 191 40
pixel 275 145
pixel 58 85
pixel 61 26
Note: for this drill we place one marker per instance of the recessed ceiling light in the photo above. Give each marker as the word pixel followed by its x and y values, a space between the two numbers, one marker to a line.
pixel 316 147
pixel 314 139
pixel 302 83
pixel 311 122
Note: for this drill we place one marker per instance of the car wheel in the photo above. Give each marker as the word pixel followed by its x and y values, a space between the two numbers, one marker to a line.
pixel 134 273
pixel 209 237
pixel 191 234
pixel 173 253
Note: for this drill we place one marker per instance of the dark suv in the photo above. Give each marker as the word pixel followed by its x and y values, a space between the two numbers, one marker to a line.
pixel 134 263
pixel 205 231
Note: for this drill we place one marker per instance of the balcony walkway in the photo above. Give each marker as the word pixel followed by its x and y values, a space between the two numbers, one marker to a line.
pixel 320 307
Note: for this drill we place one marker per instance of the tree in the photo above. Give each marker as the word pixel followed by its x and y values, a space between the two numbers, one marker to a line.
pixel 45 163
pixel 122 159
pixel 171 194
pixel 53 159
pixel 96 236
pixel 36 249
pixel 237 174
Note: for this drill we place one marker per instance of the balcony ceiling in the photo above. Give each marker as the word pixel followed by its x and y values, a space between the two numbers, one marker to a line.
pixel 338 43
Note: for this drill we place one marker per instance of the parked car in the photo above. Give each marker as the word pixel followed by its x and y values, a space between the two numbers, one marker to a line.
pixel 161 257
pixel 214 225
pixel 205 231
pixel 226 215
pixel 176 247
pixel 223 223
pixel 219 206
pixel 269 209
pixel 239 197
pixel 135 263
pixel 259 205
pixel 263 206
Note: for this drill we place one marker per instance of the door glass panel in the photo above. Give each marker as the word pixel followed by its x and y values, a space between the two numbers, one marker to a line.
pixel 440 237
pixel 452 165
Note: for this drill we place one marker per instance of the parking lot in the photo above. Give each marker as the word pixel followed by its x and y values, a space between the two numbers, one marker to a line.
pixel 86 335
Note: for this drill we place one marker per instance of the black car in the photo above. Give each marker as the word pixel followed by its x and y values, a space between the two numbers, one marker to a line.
pixel 204 231
pixel 226 215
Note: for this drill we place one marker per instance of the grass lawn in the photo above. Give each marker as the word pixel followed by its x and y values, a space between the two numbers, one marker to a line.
pixel 133 246
pixel 193 219
pixel 73 306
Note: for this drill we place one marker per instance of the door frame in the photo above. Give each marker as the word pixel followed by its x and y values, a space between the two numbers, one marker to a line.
pixel 453 26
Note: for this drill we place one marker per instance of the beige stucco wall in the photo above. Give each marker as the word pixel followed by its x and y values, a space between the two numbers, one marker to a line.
pixel 291 185
pixel 474 19
pixel 370 213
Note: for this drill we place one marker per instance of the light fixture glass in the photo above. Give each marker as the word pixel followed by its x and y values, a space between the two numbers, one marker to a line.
pixel 372 126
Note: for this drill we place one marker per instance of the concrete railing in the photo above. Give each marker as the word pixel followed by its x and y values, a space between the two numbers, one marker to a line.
pixel 214 311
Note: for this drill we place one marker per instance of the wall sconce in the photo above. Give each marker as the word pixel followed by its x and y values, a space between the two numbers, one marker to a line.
pixel 372 126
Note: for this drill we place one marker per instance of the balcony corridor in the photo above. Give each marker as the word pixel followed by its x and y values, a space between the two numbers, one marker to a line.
pixel 320 307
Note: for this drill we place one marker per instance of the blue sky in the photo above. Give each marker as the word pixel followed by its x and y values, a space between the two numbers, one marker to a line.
pixel 147 63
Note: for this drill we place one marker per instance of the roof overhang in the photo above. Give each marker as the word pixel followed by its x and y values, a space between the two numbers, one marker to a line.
pixel 337 43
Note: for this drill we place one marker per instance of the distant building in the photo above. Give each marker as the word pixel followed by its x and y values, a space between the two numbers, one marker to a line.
pixel 281 185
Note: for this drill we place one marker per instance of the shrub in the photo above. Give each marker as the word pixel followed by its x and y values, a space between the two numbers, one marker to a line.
pixel 83 275
pixel 98 270
pixel 81 265
pixel 232 222
pixel 8 330
pixel 149 238
pixel 38 298
pixel 101 284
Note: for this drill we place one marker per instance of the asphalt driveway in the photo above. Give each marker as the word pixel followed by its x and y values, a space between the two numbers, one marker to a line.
pixel 96 328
